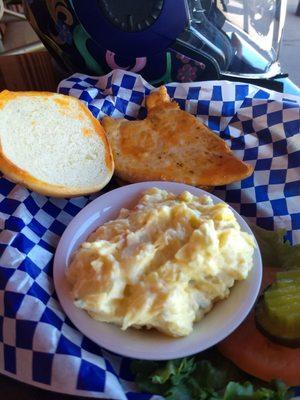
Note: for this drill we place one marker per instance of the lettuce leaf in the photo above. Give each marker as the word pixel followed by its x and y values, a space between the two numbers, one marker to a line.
pixel 275 250
pixel 191 379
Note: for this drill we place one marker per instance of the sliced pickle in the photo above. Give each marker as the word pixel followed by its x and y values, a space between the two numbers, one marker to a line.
pixel 282 284
pixel 289 275
pixel 277 313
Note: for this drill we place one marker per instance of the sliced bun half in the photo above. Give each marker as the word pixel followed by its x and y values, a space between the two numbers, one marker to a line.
pixel 52 144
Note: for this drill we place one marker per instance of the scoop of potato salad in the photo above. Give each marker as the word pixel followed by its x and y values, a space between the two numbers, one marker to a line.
pixel 162 264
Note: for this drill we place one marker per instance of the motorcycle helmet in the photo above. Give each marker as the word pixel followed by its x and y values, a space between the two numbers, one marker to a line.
pixel 163 40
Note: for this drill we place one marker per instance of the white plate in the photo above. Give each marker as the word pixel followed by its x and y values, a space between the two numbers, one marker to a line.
pixel 151 345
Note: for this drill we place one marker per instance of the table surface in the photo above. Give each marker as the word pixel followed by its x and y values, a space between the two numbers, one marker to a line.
pixel 32 71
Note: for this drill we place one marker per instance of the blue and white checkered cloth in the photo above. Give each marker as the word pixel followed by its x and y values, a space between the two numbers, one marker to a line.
pixel 38 344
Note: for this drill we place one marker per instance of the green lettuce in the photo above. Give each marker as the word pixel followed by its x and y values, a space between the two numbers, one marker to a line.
pixel 192 379
pixel 275 250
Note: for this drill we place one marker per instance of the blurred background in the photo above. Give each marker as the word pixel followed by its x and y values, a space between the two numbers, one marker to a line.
pixel 290 49
pixel 17 36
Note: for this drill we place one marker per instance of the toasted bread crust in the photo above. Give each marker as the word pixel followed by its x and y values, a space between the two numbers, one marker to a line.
pixel 21 176
pixel 173 145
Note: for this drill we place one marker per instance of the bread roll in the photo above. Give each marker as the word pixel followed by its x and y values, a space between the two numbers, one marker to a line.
pixel 52 144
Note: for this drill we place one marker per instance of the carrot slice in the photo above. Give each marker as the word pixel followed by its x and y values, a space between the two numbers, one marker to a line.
pixel 257 355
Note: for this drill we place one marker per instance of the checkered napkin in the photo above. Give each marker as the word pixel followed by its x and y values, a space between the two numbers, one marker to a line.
pixel 38 344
